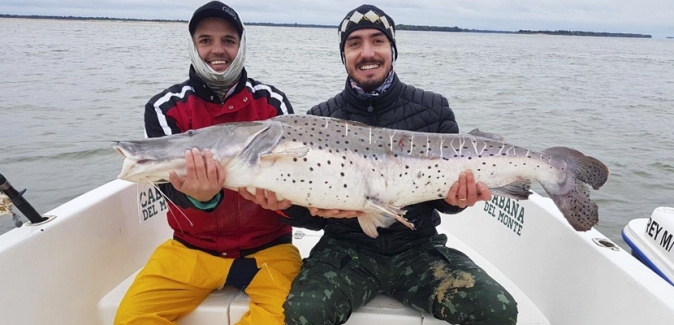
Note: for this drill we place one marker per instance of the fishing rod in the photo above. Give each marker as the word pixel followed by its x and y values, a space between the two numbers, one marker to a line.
pixel 20 203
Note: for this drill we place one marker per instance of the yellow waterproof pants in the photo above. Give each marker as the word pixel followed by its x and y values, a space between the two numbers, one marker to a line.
pixel 177 279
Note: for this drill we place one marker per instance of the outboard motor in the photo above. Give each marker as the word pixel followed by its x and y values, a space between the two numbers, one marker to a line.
pixel 16 199
pixel 652 241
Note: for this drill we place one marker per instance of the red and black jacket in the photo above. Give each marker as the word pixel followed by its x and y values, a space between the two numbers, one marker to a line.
pixel 235 227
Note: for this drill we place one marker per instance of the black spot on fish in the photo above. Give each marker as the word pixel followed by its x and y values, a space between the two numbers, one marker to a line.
pixel 342 174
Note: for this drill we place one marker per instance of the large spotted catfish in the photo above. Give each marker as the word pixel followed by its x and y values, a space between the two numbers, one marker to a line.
pixel 336 164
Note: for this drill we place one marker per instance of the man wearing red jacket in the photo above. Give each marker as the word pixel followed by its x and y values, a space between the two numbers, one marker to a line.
pixel 219 236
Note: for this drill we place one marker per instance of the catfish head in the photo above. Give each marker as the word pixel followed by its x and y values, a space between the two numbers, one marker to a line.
pixel 153 158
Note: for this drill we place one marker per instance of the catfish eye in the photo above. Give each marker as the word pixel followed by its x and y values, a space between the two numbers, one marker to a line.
pixel 191 132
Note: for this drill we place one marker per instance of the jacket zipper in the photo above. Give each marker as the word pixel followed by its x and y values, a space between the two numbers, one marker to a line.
pixel 373 116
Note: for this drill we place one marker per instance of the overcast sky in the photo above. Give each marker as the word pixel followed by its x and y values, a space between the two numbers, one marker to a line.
pixel 655 17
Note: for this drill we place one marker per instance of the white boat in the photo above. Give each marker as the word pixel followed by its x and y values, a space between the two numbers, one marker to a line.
pixel 75 267
pixel 652 241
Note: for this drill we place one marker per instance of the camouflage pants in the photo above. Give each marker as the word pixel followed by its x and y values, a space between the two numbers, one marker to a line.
pixel 338 278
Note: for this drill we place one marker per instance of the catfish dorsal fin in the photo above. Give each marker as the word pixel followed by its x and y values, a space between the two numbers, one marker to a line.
pixel 491 136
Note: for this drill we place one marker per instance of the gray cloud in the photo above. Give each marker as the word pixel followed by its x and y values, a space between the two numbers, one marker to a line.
pixel 646 16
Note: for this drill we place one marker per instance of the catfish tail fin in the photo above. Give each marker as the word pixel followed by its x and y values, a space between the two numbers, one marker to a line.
pixel 571 195
pixel 584 168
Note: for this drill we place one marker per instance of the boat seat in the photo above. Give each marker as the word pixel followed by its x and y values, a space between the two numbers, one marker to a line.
pixel 227 306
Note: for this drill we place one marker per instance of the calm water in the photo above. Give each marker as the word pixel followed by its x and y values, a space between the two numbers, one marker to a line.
pixel 69 88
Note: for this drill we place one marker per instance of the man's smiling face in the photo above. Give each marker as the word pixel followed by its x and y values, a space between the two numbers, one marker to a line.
pixel 368 57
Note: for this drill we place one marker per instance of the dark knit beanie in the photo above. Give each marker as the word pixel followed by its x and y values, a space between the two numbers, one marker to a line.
pixel 215 9
pixel 367 16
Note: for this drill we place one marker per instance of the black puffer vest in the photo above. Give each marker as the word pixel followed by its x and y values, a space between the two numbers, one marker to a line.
pixel 401 107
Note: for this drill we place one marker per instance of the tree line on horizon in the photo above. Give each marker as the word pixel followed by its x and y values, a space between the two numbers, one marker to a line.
pixel 455 29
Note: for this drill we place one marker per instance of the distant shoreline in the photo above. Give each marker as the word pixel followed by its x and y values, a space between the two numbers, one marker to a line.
pixel 398 27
